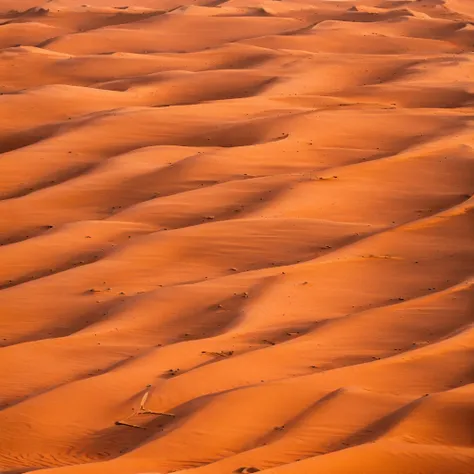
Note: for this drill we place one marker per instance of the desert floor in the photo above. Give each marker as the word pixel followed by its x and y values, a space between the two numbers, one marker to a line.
pixel 236 236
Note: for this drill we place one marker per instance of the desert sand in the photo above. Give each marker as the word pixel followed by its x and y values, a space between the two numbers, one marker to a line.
pixel 236 236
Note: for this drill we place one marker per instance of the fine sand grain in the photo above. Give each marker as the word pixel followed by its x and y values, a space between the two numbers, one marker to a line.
pixel 236 236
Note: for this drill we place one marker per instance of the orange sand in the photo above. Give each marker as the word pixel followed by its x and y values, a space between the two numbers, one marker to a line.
pixel 262 209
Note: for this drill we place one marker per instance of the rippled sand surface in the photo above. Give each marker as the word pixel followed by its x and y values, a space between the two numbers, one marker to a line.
pixel 236 236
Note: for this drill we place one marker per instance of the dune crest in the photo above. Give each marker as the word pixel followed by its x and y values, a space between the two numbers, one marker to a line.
pixel 236 236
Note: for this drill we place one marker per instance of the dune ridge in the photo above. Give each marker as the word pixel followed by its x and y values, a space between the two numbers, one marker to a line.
pixel 236 236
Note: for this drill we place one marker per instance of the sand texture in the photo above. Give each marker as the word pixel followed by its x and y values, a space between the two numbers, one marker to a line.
pixel 236 236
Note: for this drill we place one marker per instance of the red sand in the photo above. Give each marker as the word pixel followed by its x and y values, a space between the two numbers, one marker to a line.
pixel 260 209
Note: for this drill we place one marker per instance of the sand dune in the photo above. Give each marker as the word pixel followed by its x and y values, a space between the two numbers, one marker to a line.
pixel 236 236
